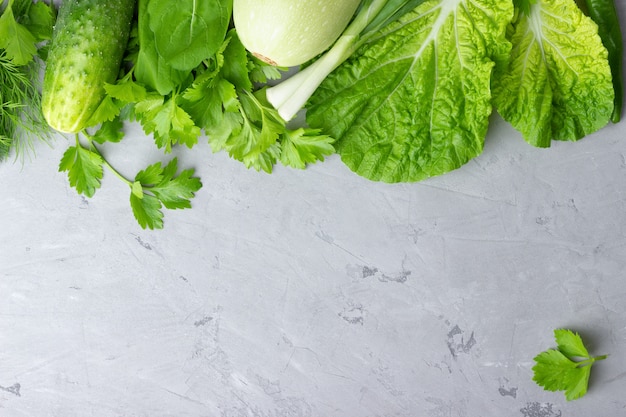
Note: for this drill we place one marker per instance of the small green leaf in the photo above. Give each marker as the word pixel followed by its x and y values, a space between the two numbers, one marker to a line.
pixel 170 124
pixel 304 146
pixel 105 112
pixel 109 131
pixel 156 187
pixel 557 369
pixel 147 211
pixel 84 169
pixel 126 90
pixel 570 344
pixel 16 39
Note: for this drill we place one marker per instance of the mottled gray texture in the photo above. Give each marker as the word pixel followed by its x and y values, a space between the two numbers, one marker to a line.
pixel 315 293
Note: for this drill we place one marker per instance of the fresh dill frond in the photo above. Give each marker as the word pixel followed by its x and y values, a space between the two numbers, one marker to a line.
pixel 21 120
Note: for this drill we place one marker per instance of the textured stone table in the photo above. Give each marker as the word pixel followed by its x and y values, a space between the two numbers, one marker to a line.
pixel 315 293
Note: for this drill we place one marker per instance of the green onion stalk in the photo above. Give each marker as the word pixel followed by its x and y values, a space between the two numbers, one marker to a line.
pixel 290 95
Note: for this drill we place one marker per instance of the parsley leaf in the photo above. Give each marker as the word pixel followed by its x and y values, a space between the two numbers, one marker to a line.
pixel 156 187
pixel 170 124
pixel 109 131
pixel 566 368
pixel 84 169
pixel 16 39
pixel 303 146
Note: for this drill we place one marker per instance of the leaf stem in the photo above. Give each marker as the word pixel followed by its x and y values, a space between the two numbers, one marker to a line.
pixel 106 163
pixel 590 361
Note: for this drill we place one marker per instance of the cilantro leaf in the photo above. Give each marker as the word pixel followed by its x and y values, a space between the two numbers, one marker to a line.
pixel 557 369
pixel 156 187
pixel 84 169
pixel 16 39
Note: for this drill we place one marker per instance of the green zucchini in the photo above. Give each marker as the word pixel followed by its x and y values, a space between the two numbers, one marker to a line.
pixel 86 51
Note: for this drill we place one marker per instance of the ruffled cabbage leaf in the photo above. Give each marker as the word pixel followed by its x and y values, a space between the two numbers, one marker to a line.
pixel 414 101
pixel 557 83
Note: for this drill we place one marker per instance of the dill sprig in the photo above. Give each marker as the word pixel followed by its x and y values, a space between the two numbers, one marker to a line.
pixel 21 120
pixel 25 29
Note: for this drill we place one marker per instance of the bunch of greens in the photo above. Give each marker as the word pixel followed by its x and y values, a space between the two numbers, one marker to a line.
pixel 412 98
pixel 566 368
pixel 187 74
pixel 557 84
pixel 191 75
pixel 25 27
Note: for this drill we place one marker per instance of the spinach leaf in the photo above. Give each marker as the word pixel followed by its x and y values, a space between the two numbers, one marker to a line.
pixel 150 68
pixel 188 31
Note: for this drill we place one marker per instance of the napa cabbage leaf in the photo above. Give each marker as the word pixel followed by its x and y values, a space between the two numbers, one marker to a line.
pixel 557 83
pixel 414 100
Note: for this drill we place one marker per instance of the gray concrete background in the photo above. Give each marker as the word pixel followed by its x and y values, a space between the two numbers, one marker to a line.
pixel 315 293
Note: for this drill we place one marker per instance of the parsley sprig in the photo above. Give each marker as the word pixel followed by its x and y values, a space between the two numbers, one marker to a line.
pixel 156 187
pixel 566 368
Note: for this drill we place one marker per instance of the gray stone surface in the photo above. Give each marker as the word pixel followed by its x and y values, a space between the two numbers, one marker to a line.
pixel 315 293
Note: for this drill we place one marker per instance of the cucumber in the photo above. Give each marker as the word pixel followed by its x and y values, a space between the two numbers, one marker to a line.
pixel 86 51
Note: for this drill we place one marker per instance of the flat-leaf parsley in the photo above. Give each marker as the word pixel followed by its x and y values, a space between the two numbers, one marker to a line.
pixel 567 367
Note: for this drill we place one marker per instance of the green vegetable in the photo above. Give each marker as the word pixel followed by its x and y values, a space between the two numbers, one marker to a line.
pixel 557 83
pixel 152 189
pixel 24 29
pixel 414 100
pixel 176 37
pixel 222 95
pixel 603 12
pixel 289 33
pixel 289 96
pixel 88 44
pixel 566 368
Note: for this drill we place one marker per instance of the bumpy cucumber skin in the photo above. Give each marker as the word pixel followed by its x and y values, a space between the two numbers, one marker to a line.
pixel 86 51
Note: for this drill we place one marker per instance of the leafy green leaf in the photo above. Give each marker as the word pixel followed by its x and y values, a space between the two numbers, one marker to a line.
pixel 170 125
pixel 156 187
pixel 16 39
pixel 303 146
pixel 188 31
pixel 557 84
pixel 570 344
pixel 150 68
pixel 555 372
pixel 174 191
pixel 109 131
pixel 41 18
pixel 106 111
pixel 524 5
pixel 414 101
pixel 147 211
pixel 126 90
pixel 558 369
pixel 84 169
